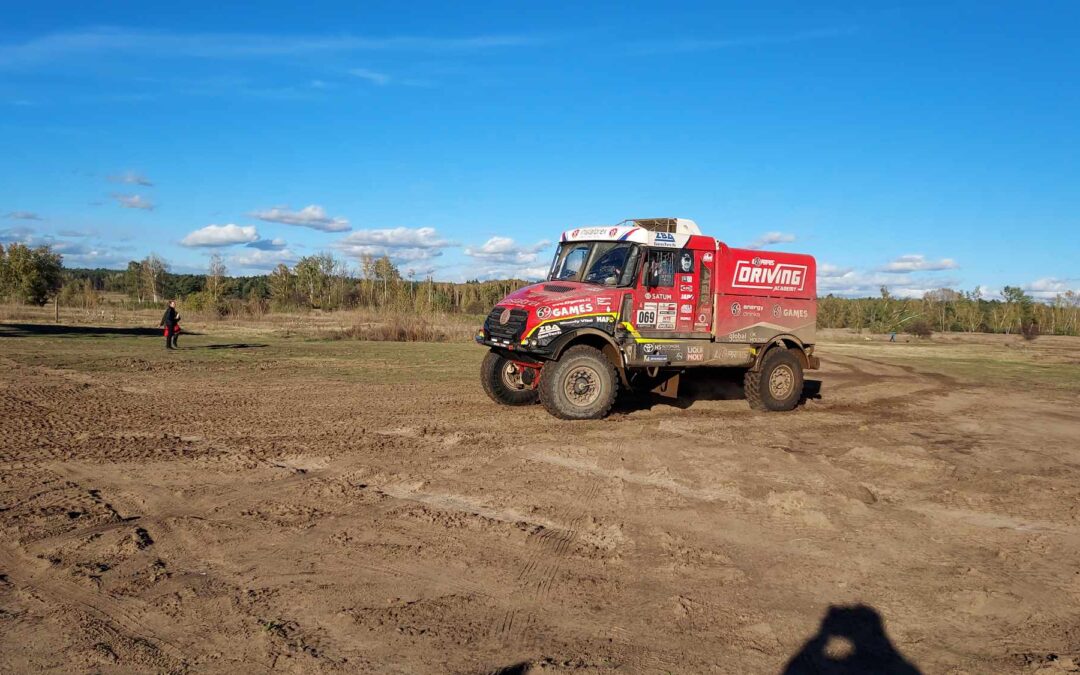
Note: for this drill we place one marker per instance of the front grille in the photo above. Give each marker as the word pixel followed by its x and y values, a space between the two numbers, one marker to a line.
pixel 510 331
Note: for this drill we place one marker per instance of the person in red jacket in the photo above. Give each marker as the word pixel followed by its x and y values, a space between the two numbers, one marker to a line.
pixel 171 322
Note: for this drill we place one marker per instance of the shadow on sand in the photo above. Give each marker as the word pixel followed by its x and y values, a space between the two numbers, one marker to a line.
pixel 704 384
pixel 850 640
pixel 52 329
pixel 234 345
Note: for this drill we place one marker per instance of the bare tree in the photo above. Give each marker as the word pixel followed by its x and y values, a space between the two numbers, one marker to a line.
pixel 215 279
pixel 152 270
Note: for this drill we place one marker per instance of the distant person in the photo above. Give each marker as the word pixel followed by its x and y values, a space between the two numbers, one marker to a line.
pixel 892 336
pixel 171 322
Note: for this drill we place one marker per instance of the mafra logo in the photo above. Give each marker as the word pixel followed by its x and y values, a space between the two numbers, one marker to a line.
pixel 768 275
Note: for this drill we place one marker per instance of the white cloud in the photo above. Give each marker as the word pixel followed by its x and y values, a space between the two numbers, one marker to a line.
pixel 849 282
pixel 268 244
pixel 770 238
pixel 22 215
pixel 313 216
pixel 256 259
pixel 131 178
pixel 506 250
pixel 19 235
pixel 221 235
pixel 1048 287
pixel 82 44
pixel 918 263
pixel 371 76
pixel 134 202
pixel 401 244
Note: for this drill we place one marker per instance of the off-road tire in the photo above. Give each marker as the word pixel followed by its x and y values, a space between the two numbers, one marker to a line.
pixel 582 372
pixel 761 396
pixel 496 385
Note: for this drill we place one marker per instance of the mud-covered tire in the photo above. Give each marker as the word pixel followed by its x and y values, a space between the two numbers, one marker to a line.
pixel 581 385
pixel 778 384
pixel 499 385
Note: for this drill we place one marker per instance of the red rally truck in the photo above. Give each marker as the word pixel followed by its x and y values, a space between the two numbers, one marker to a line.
pixel 637 304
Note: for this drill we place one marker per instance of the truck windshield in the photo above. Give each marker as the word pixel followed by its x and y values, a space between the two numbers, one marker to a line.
pixel 607 263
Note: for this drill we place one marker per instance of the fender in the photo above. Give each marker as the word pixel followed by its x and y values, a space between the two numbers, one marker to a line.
pixel 598 338
pixel 787 341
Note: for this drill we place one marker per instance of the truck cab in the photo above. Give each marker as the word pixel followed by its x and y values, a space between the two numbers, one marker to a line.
pixel 637 303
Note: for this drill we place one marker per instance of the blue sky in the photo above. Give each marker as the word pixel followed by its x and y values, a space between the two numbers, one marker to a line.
pixel 916 145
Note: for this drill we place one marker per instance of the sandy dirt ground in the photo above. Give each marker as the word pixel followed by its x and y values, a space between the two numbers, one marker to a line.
pixel 253 503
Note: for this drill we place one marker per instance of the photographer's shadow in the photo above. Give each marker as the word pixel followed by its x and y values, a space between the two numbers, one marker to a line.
pixel 851 640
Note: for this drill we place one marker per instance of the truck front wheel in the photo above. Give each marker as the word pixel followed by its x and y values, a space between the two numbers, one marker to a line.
pixel 777 384
pixel 502 380
pixel 581 385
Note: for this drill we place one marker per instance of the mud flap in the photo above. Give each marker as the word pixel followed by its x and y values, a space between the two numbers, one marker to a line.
pixel 669 388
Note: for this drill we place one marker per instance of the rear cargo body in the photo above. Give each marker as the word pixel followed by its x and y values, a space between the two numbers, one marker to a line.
pixel 761 294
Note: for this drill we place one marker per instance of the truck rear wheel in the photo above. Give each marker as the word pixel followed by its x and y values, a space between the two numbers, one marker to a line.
pixel 502 381
pixel 581 385
pixel 777 384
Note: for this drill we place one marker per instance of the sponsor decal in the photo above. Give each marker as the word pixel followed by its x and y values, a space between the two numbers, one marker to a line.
pixel 566 310
pixel 679 356
pixel 736 309
pixel 686 288
pixel 739 336
pixel 797 313
pixel 648 348
pixel 688 280
pixel 594 232
pixel 686 262
pixel 695 350
pixel 703 319
pixel 686 296
pixel 658 296
pixel 707 257
pixel 543 313
pixel 665 315
pixel 574 233
pixel 603 302
pixel 695 357
pixel 613 231
pixel 664 239
pixel 504 318
pixel 686 309
pixel 548 331
pixel 656 357
pixel 768 275
pixel 752 308
pixel 646 316
pixel 776 311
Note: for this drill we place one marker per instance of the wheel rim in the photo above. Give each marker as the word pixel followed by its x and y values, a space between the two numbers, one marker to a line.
pixel 781 382
pixel 582 386
pixel 511 376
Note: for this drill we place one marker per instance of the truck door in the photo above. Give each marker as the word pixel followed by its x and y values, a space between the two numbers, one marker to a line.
pixel 656 305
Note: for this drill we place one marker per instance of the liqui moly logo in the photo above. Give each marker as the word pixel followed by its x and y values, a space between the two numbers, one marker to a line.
pixel 768 275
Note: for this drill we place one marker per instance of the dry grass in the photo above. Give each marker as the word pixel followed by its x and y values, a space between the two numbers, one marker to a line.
pixel 358 324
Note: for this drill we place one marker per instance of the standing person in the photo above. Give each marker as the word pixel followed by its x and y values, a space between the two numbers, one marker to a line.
pixel 171 321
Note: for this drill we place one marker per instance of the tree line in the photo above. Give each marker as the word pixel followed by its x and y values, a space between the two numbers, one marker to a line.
pixel 323 282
